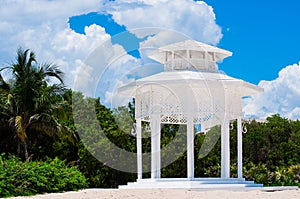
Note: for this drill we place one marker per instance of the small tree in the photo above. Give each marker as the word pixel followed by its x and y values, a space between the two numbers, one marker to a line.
pixel 31 98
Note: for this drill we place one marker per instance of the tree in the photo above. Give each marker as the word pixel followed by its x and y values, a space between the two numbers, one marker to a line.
pixel 31 97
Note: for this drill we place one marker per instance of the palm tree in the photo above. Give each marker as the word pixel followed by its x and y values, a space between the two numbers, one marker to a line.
pixel 32 96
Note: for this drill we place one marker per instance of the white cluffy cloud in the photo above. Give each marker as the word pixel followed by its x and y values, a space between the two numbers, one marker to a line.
pixel 280 96
pixel 195 19
pixel 72 50
pixel 30 23
pixel 43 27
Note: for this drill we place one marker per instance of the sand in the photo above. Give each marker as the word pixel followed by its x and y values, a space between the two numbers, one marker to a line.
pixel 168 194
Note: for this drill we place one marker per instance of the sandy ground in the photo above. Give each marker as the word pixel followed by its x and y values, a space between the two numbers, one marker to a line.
pixel 168 193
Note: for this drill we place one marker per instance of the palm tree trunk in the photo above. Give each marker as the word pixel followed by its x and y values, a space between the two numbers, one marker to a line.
pixel 26 150
pixel 19 149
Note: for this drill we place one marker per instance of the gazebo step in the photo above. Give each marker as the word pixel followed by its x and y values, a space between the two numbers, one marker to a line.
pixel 190 184
pixel 197 180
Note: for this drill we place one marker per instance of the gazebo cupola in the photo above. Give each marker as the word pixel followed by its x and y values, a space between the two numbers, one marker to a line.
pixel 190 91
pixel 190 55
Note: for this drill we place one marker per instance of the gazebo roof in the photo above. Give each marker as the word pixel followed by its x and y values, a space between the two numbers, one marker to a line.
pixel 192 78
pixel 192 45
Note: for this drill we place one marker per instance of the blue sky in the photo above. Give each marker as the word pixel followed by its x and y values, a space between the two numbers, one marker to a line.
pixel 263 36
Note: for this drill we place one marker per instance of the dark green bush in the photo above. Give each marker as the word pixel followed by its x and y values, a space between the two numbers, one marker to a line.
pixel 19 178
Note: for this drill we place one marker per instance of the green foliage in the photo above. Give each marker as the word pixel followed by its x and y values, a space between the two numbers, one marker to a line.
pixel 259 173
pixel 275 142
pixel 212 171
pixel 99 132
pixel 289 176
pixel 19 178
pixel 282 176
pixel 100 175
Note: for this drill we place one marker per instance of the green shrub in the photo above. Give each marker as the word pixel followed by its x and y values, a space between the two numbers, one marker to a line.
pixel 287 176
pixel 19 178
pixel 259 173
pixel 294 174
pixel 282 176
pixel 213 171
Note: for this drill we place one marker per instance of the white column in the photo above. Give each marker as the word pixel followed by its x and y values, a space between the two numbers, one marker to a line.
pixel 240 147
pixel 173 60
pixel 158 150
pixel 155 147
pixel 153 144
pixel 225 150
pixel 188 59
pixel 190 148
pixel 139 148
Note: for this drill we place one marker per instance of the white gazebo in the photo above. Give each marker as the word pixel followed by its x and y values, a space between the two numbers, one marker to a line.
pixel 191 91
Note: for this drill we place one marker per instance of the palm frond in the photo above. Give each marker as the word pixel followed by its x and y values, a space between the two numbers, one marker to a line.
pixel 30 59
pixel 48 124
pixel 25 59
pixel 48 98
pixel 51 70
pixel 9 107
pixel 5 113
pixel 44 123
pixel 3 85
pixel 19 127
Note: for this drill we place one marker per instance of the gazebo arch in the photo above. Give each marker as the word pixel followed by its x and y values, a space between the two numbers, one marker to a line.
pixel 191 90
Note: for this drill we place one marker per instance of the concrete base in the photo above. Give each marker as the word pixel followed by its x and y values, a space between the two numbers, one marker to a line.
pixel 194 183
